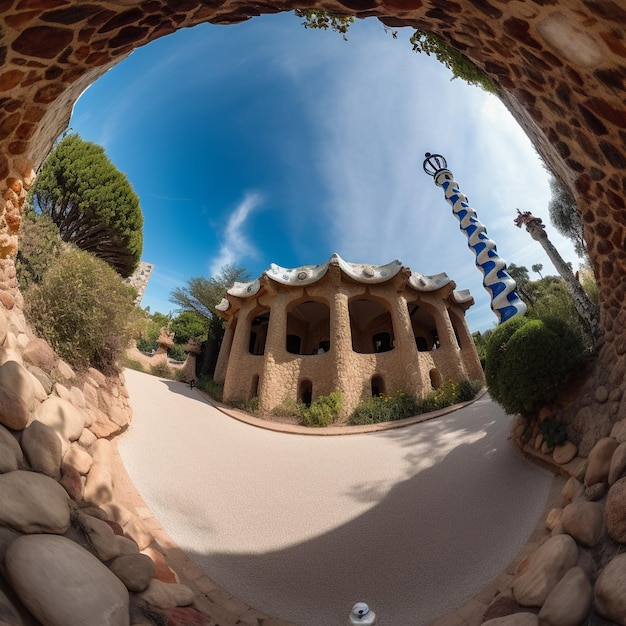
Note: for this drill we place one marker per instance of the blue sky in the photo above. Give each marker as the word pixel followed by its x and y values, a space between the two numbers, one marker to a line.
pixel 264 142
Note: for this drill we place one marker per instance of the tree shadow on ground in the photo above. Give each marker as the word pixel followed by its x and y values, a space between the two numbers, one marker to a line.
pixel 426 546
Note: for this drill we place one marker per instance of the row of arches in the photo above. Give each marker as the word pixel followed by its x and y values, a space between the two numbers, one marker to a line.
pixel 371 327
pixel 378 386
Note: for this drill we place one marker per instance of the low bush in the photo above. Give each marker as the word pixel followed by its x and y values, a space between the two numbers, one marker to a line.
pixel 249 405
pixel 131 364
pixel 530 361
pixel 290 408
pixel 213 389
pixel 554 432
pixel 401 404
pixel 84 311
pixel 323 411
pixel 162 370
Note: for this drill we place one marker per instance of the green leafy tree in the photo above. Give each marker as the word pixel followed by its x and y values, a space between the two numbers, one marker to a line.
pixel 91 202
pixel 189 325
pixel 587 310
pixel 519 273
pixel 549 297
pixel 200 295
pixel 537 267
pixel 147 341
pixel 565 217
pixel 455 61
pixel 83 309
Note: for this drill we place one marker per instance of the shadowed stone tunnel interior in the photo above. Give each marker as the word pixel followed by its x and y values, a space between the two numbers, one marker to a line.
pixel 560 66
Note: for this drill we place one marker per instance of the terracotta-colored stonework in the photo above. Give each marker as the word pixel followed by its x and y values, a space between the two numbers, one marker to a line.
pixel 560 63
pixel 298 334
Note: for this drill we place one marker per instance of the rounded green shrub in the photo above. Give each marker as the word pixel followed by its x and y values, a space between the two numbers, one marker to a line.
pixel 529 362
pixel 84 310
pixel 496 350
pixel 324 411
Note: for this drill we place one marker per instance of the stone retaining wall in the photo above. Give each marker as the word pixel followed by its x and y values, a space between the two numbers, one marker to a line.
pixel 71 551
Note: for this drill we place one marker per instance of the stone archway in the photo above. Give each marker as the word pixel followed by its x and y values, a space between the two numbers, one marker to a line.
pixel 561 66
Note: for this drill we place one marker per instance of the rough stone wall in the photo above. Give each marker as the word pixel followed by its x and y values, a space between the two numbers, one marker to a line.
pixel 561 65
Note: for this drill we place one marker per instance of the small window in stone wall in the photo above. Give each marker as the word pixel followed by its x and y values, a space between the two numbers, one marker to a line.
pixel 254 387
pixel 378 386
pixel 435 379
pixel 305 392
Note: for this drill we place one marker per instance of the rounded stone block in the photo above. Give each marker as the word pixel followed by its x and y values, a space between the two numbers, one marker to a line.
pixel 62 584
pixel 569 602
pixel 540 572
pixel 609 598
pixel 33 503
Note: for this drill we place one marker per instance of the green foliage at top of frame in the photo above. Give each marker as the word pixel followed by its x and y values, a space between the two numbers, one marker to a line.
pixel 422 41
pixel 322 20
pixel 455 61
pixel 530 361
pixel 401 405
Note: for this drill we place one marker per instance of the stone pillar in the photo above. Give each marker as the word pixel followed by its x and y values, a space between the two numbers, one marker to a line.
pixel 164 343
pixel 341 347
pixel 239 349
pixel 188 372
pixel 405 349
pixel 274 348
pixel 219 376
pixel 449 343
pixel 468 354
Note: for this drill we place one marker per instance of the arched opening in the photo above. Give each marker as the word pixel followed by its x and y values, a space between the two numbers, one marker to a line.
pixel 424 326
pixel 308 328
pixel 378 386
pixel 371 326
pixel 258 332
pixel 254 386
pixel 305 392
pixel 435 378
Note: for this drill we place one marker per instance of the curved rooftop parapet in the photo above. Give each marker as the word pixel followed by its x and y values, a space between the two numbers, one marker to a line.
pixel 244 290
pixel 364 273
pixel 303 275
pixel 419 282
pixel 359 272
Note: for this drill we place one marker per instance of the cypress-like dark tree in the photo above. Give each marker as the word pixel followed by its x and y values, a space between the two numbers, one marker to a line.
pixel 91 202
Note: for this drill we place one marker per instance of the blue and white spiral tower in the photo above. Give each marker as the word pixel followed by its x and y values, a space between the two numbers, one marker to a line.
pixel 505 302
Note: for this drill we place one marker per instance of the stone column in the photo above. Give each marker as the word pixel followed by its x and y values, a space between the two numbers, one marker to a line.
pixel 449 344
pixel 225 350
pixel 468 354
pixel 239 348
pixel 341 346
pixel 405 349
pixel 274 347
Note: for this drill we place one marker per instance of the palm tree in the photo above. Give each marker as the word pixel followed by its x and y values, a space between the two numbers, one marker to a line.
pixel 585 308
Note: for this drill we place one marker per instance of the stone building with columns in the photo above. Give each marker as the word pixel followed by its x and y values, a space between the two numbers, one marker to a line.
pixel 359 329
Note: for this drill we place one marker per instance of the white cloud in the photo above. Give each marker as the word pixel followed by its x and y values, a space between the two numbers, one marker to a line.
pixel 235 243
pixel 373 131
